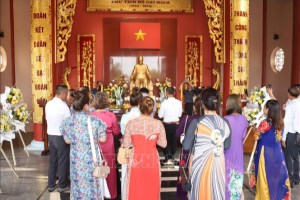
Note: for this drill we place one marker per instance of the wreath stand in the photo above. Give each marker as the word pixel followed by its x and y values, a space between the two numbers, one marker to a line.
pixel 253 149
pixel 12 168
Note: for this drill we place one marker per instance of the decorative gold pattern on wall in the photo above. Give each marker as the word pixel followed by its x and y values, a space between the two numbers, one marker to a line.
pixel 41 55
pixel 216 72
pixel 239 47
pixel 86 60
pixel 65 11
pixel 65 76
pixel 193 59
pixel 214 10
pixel 141 6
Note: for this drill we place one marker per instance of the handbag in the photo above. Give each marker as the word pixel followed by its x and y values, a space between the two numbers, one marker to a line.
pixel 183 133
pixel 184 174
pixel 101 170
pixel 123 154
pixel 183 167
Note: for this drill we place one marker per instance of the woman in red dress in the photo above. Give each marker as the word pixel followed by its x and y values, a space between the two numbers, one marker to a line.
pixel 101 103
pixel 142 181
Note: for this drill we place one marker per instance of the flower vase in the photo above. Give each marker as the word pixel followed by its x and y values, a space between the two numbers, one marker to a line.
pixel 162 95
pixel 119 102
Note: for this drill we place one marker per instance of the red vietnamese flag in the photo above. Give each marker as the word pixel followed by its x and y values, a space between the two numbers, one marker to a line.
pixel 139 35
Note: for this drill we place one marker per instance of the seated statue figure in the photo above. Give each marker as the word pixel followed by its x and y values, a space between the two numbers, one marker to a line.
pixel 140 76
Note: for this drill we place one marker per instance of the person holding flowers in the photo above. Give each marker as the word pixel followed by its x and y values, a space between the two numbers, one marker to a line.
pixel 269 172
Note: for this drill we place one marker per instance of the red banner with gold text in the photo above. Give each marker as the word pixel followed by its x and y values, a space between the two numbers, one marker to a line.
pixel 86 60
pixel 193 59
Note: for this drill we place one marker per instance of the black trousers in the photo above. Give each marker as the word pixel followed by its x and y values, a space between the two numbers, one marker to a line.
pixel 170 150
pixel 59 161
pixel 292 157
pixel 188 108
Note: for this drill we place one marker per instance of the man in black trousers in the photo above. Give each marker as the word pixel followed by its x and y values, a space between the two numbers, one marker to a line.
pixel 291 134
pixel 170 110
pixel 56 111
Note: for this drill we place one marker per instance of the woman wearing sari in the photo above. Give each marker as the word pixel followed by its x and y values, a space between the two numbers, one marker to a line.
pixel 182 127
pixel 207 170
pixel 269 170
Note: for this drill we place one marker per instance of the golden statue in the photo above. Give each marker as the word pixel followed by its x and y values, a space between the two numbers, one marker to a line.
pixel 141 77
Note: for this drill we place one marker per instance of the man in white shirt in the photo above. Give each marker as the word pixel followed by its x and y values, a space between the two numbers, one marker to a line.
pixel 291 129
pixel 56 111
pixel 170 110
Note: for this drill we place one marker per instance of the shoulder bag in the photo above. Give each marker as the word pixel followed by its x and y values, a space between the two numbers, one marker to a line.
pixel 184 168
pixel 123 154
pixel 184 173
pixel 101 170
pixel 183 133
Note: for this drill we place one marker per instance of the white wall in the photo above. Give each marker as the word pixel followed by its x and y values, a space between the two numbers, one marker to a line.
pixel 255 43
pixel 6 76
pixel 22 26
pixel 22 48
pixel 280 21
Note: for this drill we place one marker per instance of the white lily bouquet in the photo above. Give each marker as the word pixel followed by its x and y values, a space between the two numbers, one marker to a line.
pixel 118 92
pixel 255 104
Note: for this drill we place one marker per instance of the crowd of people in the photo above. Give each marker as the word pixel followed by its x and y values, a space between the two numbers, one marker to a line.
pixel 212 145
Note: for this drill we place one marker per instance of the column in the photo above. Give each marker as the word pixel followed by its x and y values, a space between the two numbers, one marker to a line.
pixel 296 43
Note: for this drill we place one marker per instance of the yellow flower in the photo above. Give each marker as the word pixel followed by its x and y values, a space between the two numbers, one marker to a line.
pixel 259 101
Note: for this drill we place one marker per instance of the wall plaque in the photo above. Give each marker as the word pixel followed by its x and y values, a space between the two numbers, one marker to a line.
pixel 140 5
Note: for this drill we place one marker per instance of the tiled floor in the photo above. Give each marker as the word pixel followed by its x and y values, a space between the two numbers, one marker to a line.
pixel 32 181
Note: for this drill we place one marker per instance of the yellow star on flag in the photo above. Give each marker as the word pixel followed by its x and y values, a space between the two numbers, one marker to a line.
pixel 140 35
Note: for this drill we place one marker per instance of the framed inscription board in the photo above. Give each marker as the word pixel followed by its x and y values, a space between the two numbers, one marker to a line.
pixel 140 5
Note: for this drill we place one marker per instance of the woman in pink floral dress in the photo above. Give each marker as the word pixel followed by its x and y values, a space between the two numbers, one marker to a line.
pixel 101 103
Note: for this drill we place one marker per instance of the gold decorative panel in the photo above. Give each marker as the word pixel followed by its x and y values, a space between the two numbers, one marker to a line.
pixel 239 47
pixel 214 10
pixel 65 10
pixel 193 59
pixel 86 60
pixel 41 55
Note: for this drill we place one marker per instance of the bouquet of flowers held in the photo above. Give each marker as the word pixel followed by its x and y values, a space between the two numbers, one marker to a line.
pixel 254 114
pixel 255 104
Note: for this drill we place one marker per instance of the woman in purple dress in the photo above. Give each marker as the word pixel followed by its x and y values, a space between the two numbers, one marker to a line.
pixel 186 121
pixel 234 156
